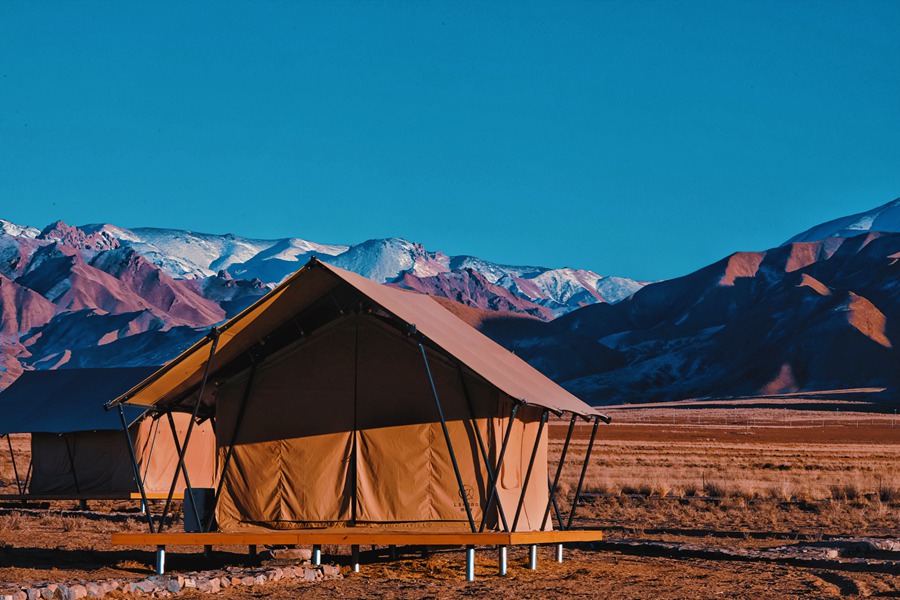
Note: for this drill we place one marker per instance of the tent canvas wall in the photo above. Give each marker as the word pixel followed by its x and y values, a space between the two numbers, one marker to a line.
pixel 331 397
pixel 78 448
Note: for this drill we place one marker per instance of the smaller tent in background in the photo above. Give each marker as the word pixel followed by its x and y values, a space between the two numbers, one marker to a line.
pixel 78 449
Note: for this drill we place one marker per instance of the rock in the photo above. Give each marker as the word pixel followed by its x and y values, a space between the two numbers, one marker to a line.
pixel 259 579
pixel 33 593
pixel 215 585
pixel 291 553
pixel 832 553
pixel 189 582
pixel 247 581
pixel 76 592
pixel 331 570
pixel 174 585
pixel 49 592
pixel 20 595
pixel 310 574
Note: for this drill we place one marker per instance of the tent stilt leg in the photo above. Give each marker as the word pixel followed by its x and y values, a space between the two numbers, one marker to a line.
pixel 317 555
pixel 532 557
pixel 559 553
pixel 207 551
pixel 251 550
pixel 503 561
pixel 354 558
pixel 470 563
pixel 393 550
pixel 160 560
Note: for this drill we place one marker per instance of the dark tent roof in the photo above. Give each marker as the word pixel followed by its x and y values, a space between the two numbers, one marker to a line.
pixel 68 400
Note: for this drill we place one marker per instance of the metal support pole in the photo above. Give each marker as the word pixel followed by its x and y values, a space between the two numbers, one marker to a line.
pixel 470 563
pixel 12 457
pixel 183 467
pixel 493 494
pixel 559 469
pixel 503 561
pixel 459 479
pixel 317 555
pixel 537 442
pixel 532 557
pixel 587 458
pixel 251 550
pixel 28 474
pixel 234 437
pixel 559 553
pixel 70 452
pixel 559 517
pixel 354 558
pixel 187 437
pixel 136 469
pixel 481 446
pixel 160 559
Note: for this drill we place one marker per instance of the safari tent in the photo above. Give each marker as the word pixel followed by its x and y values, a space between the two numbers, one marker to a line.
pixel 340 402
pixel 78 449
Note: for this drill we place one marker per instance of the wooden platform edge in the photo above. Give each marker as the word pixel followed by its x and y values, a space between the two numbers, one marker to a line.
pixel 343 538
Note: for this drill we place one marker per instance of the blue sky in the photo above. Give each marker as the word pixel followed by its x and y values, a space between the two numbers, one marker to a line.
pixel 643 139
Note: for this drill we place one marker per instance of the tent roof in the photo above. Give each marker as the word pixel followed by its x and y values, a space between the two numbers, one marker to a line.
pixel 68 400
pixel 316 280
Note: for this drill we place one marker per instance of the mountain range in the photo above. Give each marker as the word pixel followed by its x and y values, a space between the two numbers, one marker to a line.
pixel 101 295
pixel 820 311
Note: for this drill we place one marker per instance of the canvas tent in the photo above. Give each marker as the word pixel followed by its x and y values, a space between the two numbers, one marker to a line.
pixel 78 448
pixel 342 402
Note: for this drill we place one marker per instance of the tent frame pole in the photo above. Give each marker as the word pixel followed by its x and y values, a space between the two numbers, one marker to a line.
pixel 214 334
pixel 234 435
pixel 12 457
pixel 71 453
pixel 183 467
pixel 537 442
pixel 493 494
pixel 136 469
pixel 28 473
pixel 481 445
pixel 459 479
pixel 551 501
pixel 584 466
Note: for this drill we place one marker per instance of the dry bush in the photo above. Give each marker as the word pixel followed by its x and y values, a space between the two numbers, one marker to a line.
pixel 11 522
pixel 889 494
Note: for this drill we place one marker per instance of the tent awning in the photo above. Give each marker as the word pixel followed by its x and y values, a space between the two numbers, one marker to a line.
pixel 68 400
pixel 441 328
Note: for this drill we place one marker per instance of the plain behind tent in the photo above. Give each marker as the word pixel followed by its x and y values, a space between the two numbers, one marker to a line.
pixel 339 401
pixel 78 448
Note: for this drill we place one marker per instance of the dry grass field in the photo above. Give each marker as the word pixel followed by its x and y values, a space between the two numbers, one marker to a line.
pixel 761 498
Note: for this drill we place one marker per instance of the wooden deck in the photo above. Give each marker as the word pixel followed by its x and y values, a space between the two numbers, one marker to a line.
pixel 351 537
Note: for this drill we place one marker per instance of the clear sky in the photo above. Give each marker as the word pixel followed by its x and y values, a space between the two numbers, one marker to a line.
pixel 643 139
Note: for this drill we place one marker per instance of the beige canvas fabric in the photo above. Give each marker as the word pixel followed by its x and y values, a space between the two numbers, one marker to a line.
pixel 158 457
pixel 103 462
pixel 356 396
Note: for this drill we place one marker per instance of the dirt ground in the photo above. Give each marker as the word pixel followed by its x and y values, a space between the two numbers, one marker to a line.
pixel 680 519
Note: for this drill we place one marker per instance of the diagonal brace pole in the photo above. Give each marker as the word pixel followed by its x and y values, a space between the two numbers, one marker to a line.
pixel 481 446
pixel 187 438
pixel 584 466
pixel 559 468
pixel 12 457
pixel 459 479
pixel 136 469
pixel 493 494
pixel 181 465
pixel 537 442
